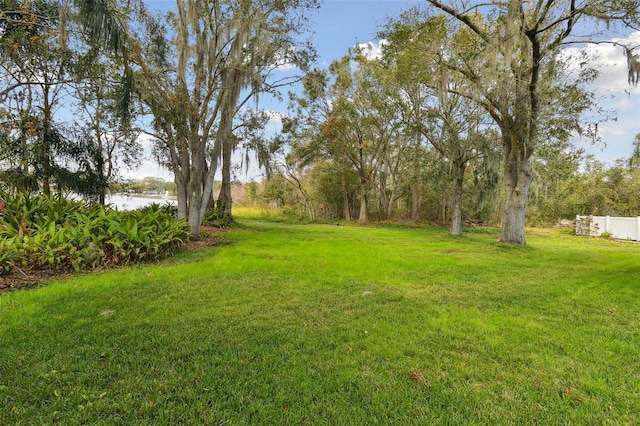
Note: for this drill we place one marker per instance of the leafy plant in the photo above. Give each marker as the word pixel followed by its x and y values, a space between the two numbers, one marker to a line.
pixel 54 233
pixel 214 217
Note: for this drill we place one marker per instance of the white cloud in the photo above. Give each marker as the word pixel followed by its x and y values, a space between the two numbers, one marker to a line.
pixel 610 60
pixel 275 118
pixel 283 60
pixel 612 130
pixel 614 94
pixel 148 168
pixel 372 50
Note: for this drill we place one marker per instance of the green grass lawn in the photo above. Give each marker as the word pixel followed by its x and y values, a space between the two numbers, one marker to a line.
pixel 336 325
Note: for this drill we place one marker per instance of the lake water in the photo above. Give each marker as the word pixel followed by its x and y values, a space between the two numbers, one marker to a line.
pixel 125 202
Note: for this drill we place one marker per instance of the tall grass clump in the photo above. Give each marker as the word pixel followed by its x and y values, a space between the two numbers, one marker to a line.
pixel 54 233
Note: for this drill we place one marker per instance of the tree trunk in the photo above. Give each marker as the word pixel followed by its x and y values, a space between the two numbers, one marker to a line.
pixel 364 214
pixel 415 201
pixel 415 189
pixel 384 200
pixel 181 192
pixel 456 207
pixel 195 187
pixel 195 202
pixel 308 205
pixel 46 165
pixel 517 179
pixel 392 199
pixel 46 143
pixel 228 110
pixel 195 220
pixel 393 172
pixel 100 171
pixel 224 199
pixel 346 211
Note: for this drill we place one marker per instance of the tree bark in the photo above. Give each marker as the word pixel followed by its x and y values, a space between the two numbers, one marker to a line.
pixel 415 201
pixel 46 142
pixel 195 221
pixel 456 208
pixel 224 199
pixel 181 192
pixel 384 200
pixel 346 211
pixel 364 214
pixel 392 199
pixel 415 189
pixel 517 180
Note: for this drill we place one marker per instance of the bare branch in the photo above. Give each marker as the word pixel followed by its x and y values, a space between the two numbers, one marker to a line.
pixel 462 17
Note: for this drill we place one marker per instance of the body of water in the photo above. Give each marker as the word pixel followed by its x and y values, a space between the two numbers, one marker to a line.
pixel 125 202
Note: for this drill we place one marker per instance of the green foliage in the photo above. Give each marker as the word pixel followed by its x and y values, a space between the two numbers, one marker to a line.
pixel 42 233
pixel 145 185
pixel 606 234
pixel 214 217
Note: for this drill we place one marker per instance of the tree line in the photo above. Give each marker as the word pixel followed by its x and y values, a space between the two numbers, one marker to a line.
pixel 467 112
pixel 565 184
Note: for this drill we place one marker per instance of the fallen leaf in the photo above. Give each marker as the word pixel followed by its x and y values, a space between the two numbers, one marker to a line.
pixel 569 392
pixel 414 375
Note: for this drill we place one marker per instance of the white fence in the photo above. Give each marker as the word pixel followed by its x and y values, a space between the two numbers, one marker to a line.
pixel 622 228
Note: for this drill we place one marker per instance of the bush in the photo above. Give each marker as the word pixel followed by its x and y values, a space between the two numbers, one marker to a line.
pixel 44 233
pixel 214 217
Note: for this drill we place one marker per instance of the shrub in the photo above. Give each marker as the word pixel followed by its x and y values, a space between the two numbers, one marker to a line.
pixel 45 233
pixel 585 226
pixel 214 217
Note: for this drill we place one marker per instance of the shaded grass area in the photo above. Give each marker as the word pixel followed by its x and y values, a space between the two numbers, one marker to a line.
pixel 325 324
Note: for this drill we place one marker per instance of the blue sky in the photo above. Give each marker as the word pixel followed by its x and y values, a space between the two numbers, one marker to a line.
pixel 340 24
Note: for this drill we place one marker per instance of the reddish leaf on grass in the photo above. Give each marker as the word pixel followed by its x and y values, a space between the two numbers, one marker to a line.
pixel 570 392
pixel 414 375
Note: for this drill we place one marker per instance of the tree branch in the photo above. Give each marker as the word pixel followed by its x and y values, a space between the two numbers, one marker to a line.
pixel 462 17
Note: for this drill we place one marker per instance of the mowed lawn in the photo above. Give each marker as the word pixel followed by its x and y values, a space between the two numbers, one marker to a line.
pixel 335 325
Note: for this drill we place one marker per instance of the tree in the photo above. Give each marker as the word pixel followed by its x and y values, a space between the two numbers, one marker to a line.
pixel 511 72
pixel 377 85
pixel 50 62
pixel 456 127
pixel 556 168
pixel 38 70
pixel 110 142
pixel 343 117
pixel 226 54
pixel 306 136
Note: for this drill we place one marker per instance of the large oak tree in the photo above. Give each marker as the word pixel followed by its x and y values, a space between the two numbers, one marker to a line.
pixel 513 74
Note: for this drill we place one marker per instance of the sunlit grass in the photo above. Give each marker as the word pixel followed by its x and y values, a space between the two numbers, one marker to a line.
pixel 326 324
pixel 257 212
